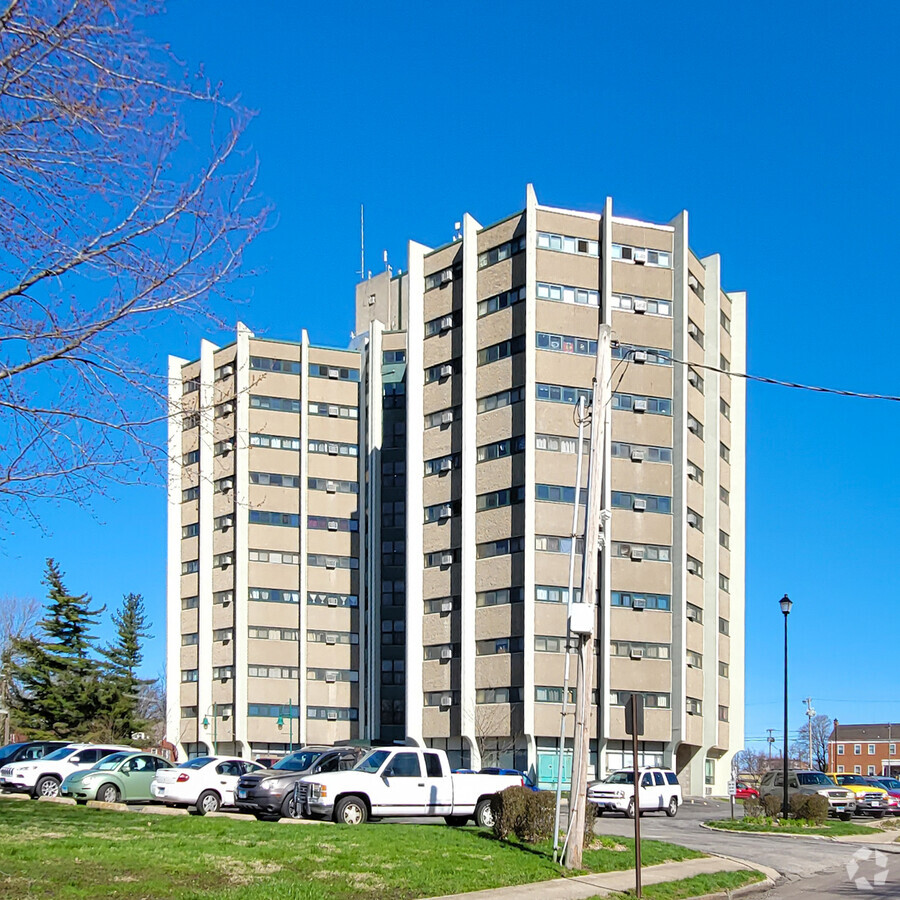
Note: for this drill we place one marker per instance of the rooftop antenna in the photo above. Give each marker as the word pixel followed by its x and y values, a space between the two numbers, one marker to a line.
pixel 457 233
pixel 387 268
pixel 362 243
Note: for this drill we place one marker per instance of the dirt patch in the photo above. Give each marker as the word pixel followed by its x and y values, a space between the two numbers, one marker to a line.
pixel 244 872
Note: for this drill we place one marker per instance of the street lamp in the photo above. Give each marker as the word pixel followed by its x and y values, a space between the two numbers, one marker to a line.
pixel 215 724
pixel 785 604
pixel 280 723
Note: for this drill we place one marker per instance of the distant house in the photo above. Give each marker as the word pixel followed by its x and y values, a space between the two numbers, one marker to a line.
pixel 864 749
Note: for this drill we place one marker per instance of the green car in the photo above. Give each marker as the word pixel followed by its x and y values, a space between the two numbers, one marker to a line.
pixel 120 777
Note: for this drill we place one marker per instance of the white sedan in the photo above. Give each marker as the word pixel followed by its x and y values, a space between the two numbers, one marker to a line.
pixel 207 782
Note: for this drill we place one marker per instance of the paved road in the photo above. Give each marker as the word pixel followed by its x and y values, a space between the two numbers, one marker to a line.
pixel 793 857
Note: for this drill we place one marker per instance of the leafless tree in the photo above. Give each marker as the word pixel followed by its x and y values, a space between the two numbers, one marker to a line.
pixel 18 618
pixel 125 201
pixel 152 708
pixel 821 727
pixel 752 763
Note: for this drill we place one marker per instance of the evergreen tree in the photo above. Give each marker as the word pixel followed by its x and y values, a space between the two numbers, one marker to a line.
pixel 54 677
pixel 121 690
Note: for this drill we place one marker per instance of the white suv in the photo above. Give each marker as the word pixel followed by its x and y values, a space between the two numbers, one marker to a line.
pixel 659 790
pixel 42 777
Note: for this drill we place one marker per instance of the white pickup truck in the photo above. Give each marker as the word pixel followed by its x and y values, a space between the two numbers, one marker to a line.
pixel 401 781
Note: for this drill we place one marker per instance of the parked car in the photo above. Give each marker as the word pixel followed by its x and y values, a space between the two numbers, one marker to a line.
pixel 26 751
pixel 402 781
pixel 841 802
pixel 494 770
pixel 267 761
pixel 892 786
pixel 659 789
pixel 43 777
pixel 120 777
pixel 206 782
pixel 744 791
pixel 269 793
pixel 870 800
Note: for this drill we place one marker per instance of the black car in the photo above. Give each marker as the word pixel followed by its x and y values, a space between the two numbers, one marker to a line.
pixel 27 750
pixel 269 794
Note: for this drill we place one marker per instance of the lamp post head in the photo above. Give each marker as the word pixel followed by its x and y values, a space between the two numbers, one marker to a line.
pixel 785 604
pixel 280 722
pixel 205 722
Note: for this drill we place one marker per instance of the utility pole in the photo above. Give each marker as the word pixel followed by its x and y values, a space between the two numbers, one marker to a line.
pixel 587 617
pixel 771 741
pixel 810 713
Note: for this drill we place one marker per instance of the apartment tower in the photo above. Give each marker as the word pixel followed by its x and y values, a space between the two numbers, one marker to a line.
pixel 453 599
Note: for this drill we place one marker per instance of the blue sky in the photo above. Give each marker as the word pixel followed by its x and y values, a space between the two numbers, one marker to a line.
pixel 774 125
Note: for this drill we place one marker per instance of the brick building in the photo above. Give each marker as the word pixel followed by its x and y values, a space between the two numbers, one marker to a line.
pixel 864 749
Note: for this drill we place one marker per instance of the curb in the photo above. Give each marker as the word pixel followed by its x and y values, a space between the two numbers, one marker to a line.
pixel 65 801
pixel 100 804
pixel 804 837
pixel 162 811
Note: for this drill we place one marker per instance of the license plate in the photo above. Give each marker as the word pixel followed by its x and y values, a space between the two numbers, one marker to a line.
pixel 242 794
pixel 839 808
pixel 875 803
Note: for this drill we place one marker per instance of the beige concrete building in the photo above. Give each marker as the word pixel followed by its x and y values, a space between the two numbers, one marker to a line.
pixel 471 364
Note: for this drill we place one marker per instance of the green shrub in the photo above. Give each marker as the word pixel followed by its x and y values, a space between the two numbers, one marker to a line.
pixel 817 809
pixel 590 814
pixel 772 804
pixel 508 808
pixel 799 804
pixel 536 824
pixel 752 807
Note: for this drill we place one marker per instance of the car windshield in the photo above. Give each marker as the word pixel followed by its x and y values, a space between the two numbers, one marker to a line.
pixel 814 778
pixel 620 778
pixel 62 753
pixel 372 761
pixel 110 762
pixel 851 779
pixel 890 783
pixel 297 762
pixel 197 763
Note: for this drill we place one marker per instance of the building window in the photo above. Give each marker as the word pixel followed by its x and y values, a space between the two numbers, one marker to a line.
pixel 693 706
pixel 498 401
pixel 339 373
pixel 840 768
pixel 500 301
pixel 442 604
pixel 693 566
pixel 501 252
pixel 190 602
pixel 504 497
pixel 440 558
pixel 388 357
pixel 330 448
pixel 724 452
pixel 558 493
pixel 189 567
pixel 324 523
pixel 441 417
pixel 553 544
pixel 635 354
pixel 724 583
pixel 871 770
pixel 724 408
pixel 332 410
pixel 190 640
pixel 694 659
pixel 561 293
pixel 498 695
pixel 222 673
pixel 695 426
pixel 871 750
pixel 546 593
pixel 639 552
pixel 723 626
pixel 264 517
pixel 191 457
pixel 709 771
pixel 565 343
pixel 840 749
pixel 557 393
pixel 726 322
pixel 659 406
pixel 501 449
pixel 637 649
pixel 694 519
pixel 857 770
pixel 629 600
pixel 189 675
pixel 723 713
pixel 694 472
pixel 273 672
pixel 500 597
pixel 276 557
pixel 493 646
pixel 332 487
pixel 724 539
pixel 344 601
pixel 265 364
pixel 191 493
pixel 695 378
pixel 275 404
pixel 332 637
pixel 189 531
pixel 723 669
pixel 547 694
pixel 443 323
pixel 694 613
pixel 642 255
pixel 648 305
pixel 651 701
pixel 188 712
pixel 323 561
pixel 566 244
pixel 332 713
pixel 275 479
pixel 892 749
pixel 443 464
pixel 442 371
pixel 636 452
pixel 724 365
pixel 503 547
pixel 393 671
pixel 693 330
pixel 724 495
pixel 640 502
pixel 274 595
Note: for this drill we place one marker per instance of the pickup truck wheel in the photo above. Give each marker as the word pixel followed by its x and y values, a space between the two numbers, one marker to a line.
pixel 672 808
pixel 483 815
pixel 879 814
pixel 351 811
pixel 845 817
pixel 630 810
pixel 456 821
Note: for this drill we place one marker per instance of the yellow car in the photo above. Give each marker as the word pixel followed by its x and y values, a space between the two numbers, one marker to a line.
pixel 870 800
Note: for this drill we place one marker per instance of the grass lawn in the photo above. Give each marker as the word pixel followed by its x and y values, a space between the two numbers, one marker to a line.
pixel 73 853
pixel 830 828
pixel 699 885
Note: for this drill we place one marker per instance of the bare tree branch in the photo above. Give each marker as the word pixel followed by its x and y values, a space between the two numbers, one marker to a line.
pixel 113 220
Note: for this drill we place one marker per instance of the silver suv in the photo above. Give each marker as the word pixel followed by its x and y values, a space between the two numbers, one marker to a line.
pixel 659 790
pixel 841 802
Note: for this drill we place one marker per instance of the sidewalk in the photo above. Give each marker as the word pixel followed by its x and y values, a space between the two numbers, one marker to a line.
pixel 602 884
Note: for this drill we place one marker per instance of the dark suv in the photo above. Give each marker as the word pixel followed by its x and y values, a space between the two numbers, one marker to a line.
pixel 27 750
pixel 841 802
pixel 269 794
